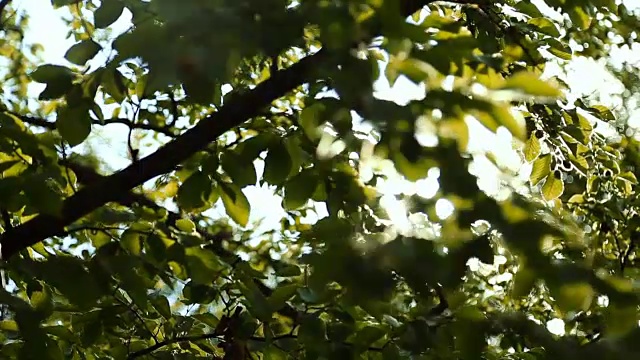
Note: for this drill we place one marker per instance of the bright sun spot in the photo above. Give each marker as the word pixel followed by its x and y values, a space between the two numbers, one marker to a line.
pixel 556 326
pixel 397 212
pixel 444 208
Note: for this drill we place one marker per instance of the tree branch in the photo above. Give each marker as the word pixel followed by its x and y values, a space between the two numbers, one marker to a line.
pixel 36 121
pixel 177 339
pixel 194 338
pixel 240 108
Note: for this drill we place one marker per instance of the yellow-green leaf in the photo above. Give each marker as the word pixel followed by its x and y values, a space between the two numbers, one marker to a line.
pixel 629 176
pixel 503 116
pixel 531 84
pixel 579 17
pixel 559 49
pixel 541 168
pixel 545 26
pixel 531 148
pixel 235 203
pixel 185 225
pixel 574 297
pixel 553 187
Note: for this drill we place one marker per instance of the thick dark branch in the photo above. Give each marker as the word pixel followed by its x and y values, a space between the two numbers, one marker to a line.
pixel 113 188
pixel 36 121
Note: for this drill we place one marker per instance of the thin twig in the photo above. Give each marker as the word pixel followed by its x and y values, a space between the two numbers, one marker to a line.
pixel 51 125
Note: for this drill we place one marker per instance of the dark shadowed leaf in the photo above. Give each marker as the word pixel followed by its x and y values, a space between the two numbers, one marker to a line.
pixel 82 52
pixel 107 13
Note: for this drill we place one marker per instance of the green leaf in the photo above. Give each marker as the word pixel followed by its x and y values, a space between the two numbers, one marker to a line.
pixel 52 73
pixel 575 296
pixel 161 304
pixel 545 26
pixel 559 49
pixel 576 199
pixel 82 52
pixel 42 301
pixel 391 352
pixel 107 13
pixel 194 192
pixel 620 320
pixel 286 270
pixel 203 265
pixel 312 331
pixel 251 148
pixel 241 171
pixel 541 168
pixel 58 3
pixel 523 282
pixel 531 84
pixel 113 84
pixel 299 189
pixel 185 225
pixel 131 241
pixel 6 165
pixel 281 295
pixel 629 176
pixel 277 165
pixel 503 116
pixel 83 291
pixel 199 292
pixel 553 186
pixel 602 112
pixel 310 120
pixel 74 124
pixel 235 203
pixel 579 17
pixel 532 148
pixel 59 80
pixel 257 303
pixel 368 335
pixel 135 285
pixel 528 9
pixel 41 195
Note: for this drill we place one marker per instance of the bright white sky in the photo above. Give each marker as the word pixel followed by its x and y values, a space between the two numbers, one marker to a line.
pixel 110 142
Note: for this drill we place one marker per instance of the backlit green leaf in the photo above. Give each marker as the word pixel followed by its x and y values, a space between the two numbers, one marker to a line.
pixel 553 186
pixel 531 84
pixel 545 26
pixel 541 168
pixel 235 203
pixel 74 124
pixel 532 148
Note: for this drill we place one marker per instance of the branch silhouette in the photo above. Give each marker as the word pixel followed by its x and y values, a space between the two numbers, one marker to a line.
pixel 51 125
pixel 239 109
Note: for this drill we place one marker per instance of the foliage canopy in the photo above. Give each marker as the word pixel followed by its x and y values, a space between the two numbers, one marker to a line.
pixel 132 264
